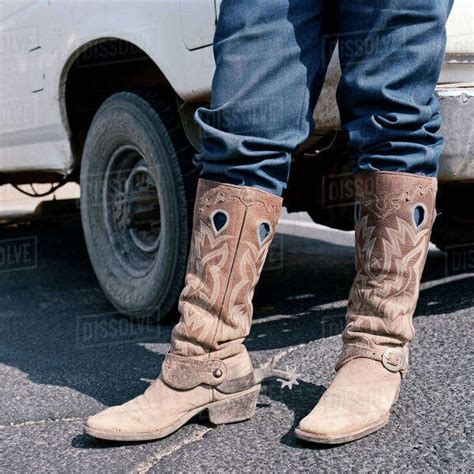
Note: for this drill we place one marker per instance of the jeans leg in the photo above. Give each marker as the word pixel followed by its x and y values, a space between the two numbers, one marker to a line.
pixel 271 58
pixel 391 54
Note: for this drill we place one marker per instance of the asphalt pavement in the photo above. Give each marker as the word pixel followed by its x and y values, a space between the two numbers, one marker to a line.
pixel 66 354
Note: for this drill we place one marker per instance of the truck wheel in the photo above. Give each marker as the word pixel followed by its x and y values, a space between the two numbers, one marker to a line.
pixel 137 188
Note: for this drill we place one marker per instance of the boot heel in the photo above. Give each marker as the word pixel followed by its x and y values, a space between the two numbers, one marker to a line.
pixel 234 410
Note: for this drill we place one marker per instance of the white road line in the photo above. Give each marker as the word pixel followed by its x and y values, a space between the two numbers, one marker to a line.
pixel 342 303
pixel 145 466
pixel 271 319
pixel 432 284
pixel 313 225
pixel 310 225
pixel 301 297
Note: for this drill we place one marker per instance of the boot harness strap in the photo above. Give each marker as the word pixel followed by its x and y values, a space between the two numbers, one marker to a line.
pixel 394 359
pixel 184 373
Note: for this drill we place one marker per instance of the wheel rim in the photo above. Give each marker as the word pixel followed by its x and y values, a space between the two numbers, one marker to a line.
pixel 131 209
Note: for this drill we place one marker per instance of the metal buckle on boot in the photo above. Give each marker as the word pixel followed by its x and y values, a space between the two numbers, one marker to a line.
pixel 394 360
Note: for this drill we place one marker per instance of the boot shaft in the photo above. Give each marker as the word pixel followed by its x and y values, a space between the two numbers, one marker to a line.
pixel 394 214
pixel 233 227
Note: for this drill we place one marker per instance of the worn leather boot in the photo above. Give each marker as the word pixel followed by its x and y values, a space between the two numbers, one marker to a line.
pixel 394 214
pixel 207 368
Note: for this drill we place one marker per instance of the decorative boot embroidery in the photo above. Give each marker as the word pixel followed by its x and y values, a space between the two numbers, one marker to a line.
pixel 203 284
pixel 384 205
pixel 226 258
pixel 378 279
pixel 240 306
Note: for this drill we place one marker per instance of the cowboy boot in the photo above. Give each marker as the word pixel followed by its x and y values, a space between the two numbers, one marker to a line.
pixel 207 367
pixel 394 214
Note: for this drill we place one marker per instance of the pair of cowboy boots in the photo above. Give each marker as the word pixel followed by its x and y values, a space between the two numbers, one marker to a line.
pixel 208 368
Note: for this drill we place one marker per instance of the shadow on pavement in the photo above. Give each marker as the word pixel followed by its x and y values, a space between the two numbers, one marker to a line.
pixel 58 328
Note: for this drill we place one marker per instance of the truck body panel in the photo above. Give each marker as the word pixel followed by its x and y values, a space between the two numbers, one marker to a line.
pixel 41 40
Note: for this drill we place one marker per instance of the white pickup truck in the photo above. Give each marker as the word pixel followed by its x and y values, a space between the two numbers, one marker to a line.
pixel 103 93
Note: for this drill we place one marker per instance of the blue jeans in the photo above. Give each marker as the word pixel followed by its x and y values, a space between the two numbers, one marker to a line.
pixel 271 59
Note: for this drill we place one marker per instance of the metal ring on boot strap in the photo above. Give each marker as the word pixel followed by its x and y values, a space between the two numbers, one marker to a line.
pixel 395 360
pixel 185 373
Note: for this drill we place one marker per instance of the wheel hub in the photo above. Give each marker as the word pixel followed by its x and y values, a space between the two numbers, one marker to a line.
pixel 133 210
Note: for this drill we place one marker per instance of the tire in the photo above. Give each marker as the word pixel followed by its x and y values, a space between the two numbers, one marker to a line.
pixel 137 189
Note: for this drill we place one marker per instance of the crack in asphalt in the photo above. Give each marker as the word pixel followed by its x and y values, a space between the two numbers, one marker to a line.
pixel 198 436
pixel 39 422
pixel 145 466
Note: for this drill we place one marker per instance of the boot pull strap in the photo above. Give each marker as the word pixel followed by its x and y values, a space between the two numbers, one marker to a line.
pixel 184 373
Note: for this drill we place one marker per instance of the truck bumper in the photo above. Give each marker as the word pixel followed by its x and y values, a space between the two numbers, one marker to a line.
pixel 457 118
pixel 457 114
